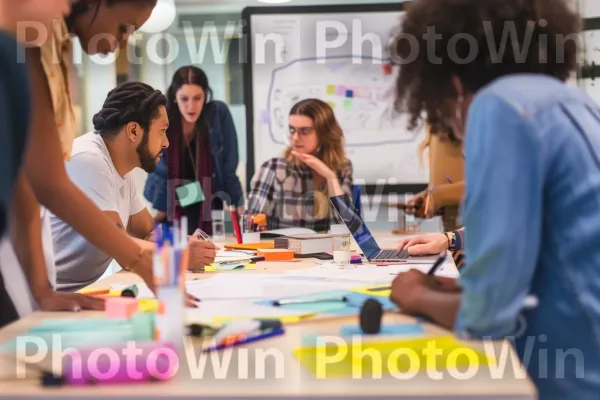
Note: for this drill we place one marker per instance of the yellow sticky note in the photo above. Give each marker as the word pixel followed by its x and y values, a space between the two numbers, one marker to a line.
pixel 231 267
pixel 378 290
pixel 352 357
pixel 330 89
pixel 331 104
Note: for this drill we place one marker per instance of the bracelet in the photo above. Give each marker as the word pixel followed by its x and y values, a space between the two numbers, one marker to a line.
pixel 451 236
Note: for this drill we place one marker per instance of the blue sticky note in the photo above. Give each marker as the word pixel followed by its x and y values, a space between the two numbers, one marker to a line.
pixel 394 329
pixel 349 94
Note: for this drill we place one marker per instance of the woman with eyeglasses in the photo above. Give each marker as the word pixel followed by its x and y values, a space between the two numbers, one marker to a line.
pixel 293 190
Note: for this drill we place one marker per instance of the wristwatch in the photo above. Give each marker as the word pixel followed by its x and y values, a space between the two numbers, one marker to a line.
pixel 451 240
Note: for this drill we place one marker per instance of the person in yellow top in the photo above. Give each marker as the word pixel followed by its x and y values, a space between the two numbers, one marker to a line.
pixel 446 177
pixel 102 26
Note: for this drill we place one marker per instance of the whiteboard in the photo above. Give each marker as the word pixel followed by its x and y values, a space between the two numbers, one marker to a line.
pixel 349 77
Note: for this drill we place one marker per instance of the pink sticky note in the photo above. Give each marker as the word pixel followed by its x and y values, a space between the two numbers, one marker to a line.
pixel 120 307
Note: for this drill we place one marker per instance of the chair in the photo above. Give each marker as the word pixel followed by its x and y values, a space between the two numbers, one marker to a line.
pixel 356 199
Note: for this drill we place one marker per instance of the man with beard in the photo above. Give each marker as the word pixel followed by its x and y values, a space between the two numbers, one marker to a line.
pixel 129 132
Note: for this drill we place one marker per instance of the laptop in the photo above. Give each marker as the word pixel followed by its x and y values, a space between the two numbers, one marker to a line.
pixel 365 240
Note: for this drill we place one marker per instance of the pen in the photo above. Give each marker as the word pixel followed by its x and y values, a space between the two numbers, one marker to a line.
pixel 448 179
pixel 308 301
pixel 438 262
pixel 242 339
pixel 199 233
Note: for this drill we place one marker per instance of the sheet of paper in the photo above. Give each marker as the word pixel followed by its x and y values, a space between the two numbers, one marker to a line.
pixel 220 309
pixel 242 285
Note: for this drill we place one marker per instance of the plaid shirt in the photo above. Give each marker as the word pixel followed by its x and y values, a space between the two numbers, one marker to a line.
pixel 285 193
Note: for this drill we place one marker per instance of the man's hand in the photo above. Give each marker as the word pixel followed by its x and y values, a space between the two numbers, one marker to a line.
pixel 202 253
pixel 423 295
pixel 144 270
pixel 424 244
pixel 56 301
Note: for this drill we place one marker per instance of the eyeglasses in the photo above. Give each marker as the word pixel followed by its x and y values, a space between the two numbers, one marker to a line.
pixel 301 131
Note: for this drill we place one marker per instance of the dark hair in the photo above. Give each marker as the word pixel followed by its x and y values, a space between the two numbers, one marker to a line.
pixel 425 80
pixel 189 75
pixel 82 6
pixel 128 102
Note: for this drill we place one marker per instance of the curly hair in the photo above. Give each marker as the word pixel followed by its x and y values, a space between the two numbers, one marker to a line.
pixel 478 41
pixel 128 102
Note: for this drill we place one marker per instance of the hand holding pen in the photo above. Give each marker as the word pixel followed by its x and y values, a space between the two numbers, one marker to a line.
pixel 202 251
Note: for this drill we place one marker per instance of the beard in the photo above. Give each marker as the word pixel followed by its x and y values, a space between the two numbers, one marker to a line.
pixel 148 160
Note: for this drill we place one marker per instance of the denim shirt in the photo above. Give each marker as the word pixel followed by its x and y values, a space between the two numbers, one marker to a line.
pixel 532 227
pixel 225 160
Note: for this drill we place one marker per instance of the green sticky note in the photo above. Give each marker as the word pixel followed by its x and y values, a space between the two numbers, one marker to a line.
pixel 189 194
pixel 330 89
pixel 74 333
pixel 348 104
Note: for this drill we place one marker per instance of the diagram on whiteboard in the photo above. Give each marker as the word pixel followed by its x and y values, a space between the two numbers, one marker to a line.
pixel 355 84
pixel 364 109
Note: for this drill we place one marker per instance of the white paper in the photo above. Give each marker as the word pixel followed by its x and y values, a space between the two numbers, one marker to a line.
pixel 207 310
pixel 258 286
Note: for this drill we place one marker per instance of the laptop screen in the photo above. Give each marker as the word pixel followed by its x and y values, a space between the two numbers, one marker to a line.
pixel 348 213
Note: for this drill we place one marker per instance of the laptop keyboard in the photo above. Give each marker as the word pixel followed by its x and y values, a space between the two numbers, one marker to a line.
pixel 391 255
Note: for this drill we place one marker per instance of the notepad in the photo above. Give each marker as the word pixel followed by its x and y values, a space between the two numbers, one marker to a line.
pixel 346 358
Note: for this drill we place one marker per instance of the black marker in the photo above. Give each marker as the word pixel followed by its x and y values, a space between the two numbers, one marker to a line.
pixel 438 262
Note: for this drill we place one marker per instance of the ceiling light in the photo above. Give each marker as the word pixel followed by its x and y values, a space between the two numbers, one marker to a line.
pixel 161 18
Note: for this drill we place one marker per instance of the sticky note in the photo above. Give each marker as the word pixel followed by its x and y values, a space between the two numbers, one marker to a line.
pixel 331 104
pixel 377 291
pixel 387 357
pixel 349 94
pixel 150 305
pixel 392 329
pixel 74 333
pixel 331 89
pixel 348 104
pixel 229 267
pixel 341 91
pixel 120 307
pixel 265 118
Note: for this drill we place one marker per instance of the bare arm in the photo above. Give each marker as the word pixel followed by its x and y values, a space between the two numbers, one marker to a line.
pixel 160 216
pixel 46 172
pixel 26 237
pixel 141 225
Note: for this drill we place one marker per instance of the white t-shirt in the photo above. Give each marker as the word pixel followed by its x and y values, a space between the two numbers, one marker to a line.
pixel 78 262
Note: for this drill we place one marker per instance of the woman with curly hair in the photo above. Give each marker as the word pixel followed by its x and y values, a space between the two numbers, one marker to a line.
pixel 496 75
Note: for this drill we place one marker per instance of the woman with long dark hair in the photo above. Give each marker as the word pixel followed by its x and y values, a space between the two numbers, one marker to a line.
pixel 198 172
